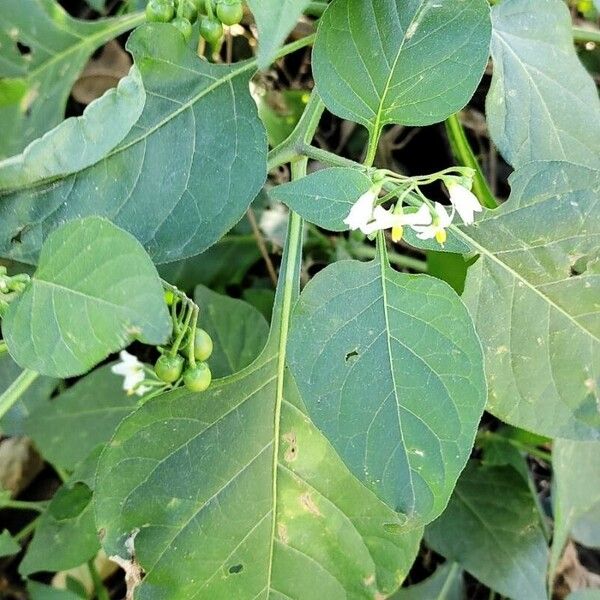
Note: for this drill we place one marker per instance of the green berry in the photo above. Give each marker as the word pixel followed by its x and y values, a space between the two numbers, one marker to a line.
pixel 211 30
pixel 198 378
pixel 203 345
pixel 184 26
pixel 168 368
pixel 188 9
pixel 160 11
pixel 230 13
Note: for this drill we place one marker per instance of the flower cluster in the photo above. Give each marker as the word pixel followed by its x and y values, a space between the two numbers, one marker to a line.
pixel 428 222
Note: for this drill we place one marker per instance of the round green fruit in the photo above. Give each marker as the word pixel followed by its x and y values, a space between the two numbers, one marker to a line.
pixel 184 26
pixel 211 30
pixel 169 368
pixel 198 378
pixel 188 9
pixel 160 11
pixel 203 345
pixel 230 13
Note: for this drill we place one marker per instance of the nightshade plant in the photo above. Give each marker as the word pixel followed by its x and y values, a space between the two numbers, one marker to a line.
pixel 221 457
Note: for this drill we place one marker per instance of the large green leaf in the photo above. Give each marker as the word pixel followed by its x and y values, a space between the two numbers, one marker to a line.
pixel 14 422
pixel 236 494
pixel 534 296
pixel 491 527
pixel 69 427
pixel 275 19
pixel 94 292
pixel 400 61
pixel 58 49
pixel 447 583
pixel 542 104
pixel 183 176
pixel 575 494
pixel 78 142
pixel 238 330
pixel 391 371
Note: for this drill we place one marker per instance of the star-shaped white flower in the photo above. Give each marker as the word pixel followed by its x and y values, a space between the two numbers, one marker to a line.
pixel 464 201
pixel 132 370
pixel 385 219
pixel 437 229
pixel 362 211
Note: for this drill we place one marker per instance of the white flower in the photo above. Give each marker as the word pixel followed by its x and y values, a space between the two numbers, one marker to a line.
pixel 463 200
pixel 437 229
pixel 385 219
pixel 362 211
pixel 133 372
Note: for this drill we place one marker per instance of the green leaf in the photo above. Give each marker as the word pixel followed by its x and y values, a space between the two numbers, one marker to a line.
pixel 413 62
pixel 224 264
pixel 275 20
pixel 584 595
pixel 325 197
pixel 575 495
pixel 14 422
pixel 8 544
pixel 164 182
pixel 447 583
pixel 95 290
pixel 65 536
pixel 491 528
pixel 542 103
pixel 59 47
pixel 391 371
pixel 236 494
pixel 238 330
pixel 39 591
pixel 69 427
pixel 77 142
pixel 533 294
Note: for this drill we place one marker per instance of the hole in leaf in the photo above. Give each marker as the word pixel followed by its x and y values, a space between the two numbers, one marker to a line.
pixel 24 49
pixel 16 239
pixel 235 569
pixel 351 355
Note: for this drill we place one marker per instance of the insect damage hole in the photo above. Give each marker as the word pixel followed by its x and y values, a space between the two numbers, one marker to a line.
pixel 351 356
pixel 235 569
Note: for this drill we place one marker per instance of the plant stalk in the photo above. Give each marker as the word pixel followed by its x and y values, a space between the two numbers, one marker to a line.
pixel 16 389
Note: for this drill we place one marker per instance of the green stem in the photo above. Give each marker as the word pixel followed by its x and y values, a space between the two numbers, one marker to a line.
pixel 186 323
pixel 464 153
pixel 99 589
pixel 3 347
pixel 15 390
pixel 327 157
pixel 583 35
pixel 192 340
pixel 21 535
pixel 400 260
pixel 452 573
pixel 24 505
pixel 304 132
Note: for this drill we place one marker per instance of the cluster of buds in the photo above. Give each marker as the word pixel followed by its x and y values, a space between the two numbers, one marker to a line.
pixel 10 288
pixel 428 221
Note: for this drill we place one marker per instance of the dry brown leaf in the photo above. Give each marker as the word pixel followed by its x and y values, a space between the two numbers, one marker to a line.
pixel 19 464
pixel 571 575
